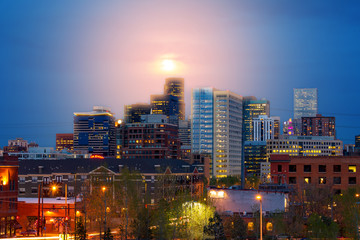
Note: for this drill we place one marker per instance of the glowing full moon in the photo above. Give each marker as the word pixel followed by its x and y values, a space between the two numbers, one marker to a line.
pixel 168 65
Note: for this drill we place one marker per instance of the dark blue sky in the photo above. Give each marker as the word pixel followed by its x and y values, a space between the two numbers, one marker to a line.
pixel 61 57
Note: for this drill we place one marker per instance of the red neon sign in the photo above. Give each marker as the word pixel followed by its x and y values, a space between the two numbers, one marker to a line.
pixel 97 156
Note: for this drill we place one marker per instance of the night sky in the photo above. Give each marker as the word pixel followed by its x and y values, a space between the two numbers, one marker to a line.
pixel 60 57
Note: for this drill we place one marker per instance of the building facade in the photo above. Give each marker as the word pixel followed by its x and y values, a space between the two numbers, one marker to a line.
pixel 255 154
pixel 253 108
pixel 64 141
pixel 305 146
pixel 338 172
pixel 318 126
pixel 305 102
pixel 185 132
pixel 17 145
pixel 133 112
pixel 357 142
pixel 217 129
pixel 94 131
pixel 175 87
pixel 265 128
pixel 165 105
pixel 154 138
pixel 8 195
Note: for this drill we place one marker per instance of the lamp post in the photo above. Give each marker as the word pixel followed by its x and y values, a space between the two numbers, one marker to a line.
pixel 258 197
pixel 104 189
pixel 357 195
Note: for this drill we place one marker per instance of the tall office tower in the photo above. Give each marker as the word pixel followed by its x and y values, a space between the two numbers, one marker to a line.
pixel 253 108
pixel 185 132
pixel 305 102
pixel 133 112
pixel 166 105
pixel 175 87
pixel 64 141
pixel 217 129
pixel 255 154
pixel 95 131
pixel 266 128
pixel 318 126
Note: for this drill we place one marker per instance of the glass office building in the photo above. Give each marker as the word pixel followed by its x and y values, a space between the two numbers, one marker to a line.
pixel 253 108
pixel 305 102
pixel 202 121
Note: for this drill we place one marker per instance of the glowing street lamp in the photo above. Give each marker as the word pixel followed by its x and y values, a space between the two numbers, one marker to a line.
pixel 258 197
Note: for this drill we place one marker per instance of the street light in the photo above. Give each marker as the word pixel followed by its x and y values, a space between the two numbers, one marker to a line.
pixel 104 189
pixel 357 195
pixel 258 197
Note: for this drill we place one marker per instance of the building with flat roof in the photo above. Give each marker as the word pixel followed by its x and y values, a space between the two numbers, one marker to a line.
pixel 133 112
pixel 253 108
pixel 64 141
pixel 265 127
pixel 305 102
pixel 94 131
pixel 318 126
pixel 154 137
pixel 336 172
pixel 305 146
pixel 217 129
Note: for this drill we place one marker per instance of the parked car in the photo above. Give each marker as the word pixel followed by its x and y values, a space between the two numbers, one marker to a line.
pixel 29 232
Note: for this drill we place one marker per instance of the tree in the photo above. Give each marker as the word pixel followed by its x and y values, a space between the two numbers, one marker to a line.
pixel 226 182
pixel 235 227
pixel 80 230
pixel 322 227
pixel 215 228
pixel 141 225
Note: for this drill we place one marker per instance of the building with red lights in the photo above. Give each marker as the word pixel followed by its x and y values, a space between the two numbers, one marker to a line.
pixel 318 126
pixel 8 195
pixel 64 141
pixel 337 172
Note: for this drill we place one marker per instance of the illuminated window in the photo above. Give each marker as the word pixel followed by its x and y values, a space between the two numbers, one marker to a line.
pixel 269 227
pixel 250 226
pixel 322 180
pixel 352 168
pixel 307 180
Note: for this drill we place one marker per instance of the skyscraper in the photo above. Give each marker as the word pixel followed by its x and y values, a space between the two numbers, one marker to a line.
pixel 175 87
pixel 166 105
pixel 133 112
pixel 305 102
pixel 64 141
pixel 253 108
pixel 95 131
pixel 217 129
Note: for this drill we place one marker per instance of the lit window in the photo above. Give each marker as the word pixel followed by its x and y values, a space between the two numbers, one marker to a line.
pixel 250 226
pixel 352 168
pixel 269 227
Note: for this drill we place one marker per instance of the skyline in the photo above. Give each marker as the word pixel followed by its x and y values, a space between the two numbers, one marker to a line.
pixel 60 58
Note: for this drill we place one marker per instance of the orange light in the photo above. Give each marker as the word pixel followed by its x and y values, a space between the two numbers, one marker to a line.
pixel 54 188
pixel 96 156
pixel 258 197
pixel 357 195
pixel 103 188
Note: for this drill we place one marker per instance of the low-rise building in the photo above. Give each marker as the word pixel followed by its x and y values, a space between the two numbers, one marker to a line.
pixel 337 172
pixel 305 146
pixel 8 195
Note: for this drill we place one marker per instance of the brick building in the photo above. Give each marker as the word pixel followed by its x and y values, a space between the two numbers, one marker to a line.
pixel 152 139
pixel 337 172
pixel 318 126
pixel 64 141
pixel 8 195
